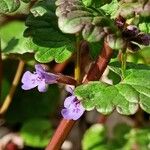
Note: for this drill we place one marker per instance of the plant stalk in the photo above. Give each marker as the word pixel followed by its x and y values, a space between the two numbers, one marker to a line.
pixel 98 68
pixel 11 93
pixel 77 72
pixel 94 73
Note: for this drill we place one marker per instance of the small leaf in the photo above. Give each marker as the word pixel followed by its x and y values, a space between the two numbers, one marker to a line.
pixel 145 27
pixel 8 6
pixel 87 2
pixel 36 132
pixel 111 8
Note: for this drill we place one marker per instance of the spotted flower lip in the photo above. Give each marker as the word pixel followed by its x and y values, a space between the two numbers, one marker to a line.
pixel 40 78
pixel 73 107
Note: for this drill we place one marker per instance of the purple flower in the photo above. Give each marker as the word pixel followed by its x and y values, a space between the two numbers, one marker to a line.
pixel 73 107
pixel 40 78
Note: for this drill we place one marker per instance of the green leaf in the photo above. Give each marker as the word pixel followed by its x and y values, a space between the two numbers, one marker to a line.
pixel 87 2
pixel 95 3
pixel 12 38
pixel 93 23
pixel 36 132
pixel 49 42
pixel 8 6
pixel 111 8
pixel 125 97
pixel 144 27
pixel 95 138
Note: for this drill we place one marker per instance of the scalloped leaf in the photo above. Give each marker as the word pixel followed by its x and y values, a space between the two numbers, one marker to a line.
pixel 125 97
pixel 74 17
pixel 50 42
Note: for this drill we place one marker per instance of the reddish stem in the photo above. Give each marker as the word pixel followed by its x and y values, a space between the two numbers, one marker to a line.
pixel 100 64
pixel 94 73
pixel 60 135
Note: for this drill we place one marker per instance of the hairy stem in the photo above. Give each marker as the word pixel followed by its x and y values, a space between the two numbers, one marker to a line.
pixel 15 82
pixel 94 73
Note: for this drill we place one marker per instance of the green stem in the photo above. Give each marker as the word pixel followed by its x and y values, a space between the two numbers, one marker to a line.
pixel 77 71
pixel 123 63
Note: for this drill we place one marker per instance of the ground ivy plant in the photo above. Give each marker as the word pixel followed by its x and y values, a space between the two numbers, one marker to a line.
pixel 107 32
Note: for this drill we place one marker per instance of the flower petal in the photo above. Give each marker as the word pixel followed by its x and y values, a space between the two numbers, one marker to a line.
pixel 29 80
pixel 39 68
pixel 66 114
pixel 70 88
pixel 42 87
pixel 68 101
pixel 50 78
pixel 73 114
pixel 74 111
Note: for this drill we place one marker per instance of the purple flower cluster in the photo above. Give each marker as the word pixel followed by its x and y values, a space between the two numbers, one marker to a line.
pixel 73 107
pixel 40 78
